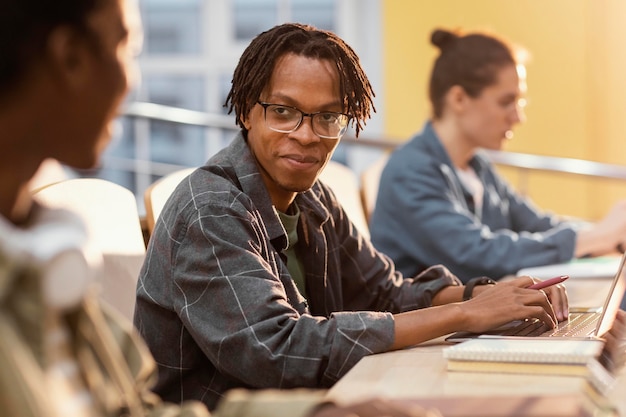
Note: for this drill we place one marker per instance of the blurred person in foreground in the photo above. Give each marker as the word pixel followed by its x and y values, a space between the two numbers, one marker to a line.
pixel 440 200
pixel 255 277
pixel 66 67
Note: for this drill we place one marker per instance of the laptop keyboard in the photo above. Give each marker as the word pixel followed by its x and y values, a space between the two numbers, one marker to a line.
pixel 579 324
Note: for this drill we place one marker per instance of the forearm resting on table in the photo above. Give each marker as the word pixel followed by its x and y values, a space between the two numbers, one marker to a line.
pixel 450 294
pixel 414 327
pixel 444 317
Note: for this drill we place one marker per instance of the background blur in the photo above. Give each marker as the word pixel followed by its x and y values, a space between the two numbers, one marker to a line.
pixel 576 84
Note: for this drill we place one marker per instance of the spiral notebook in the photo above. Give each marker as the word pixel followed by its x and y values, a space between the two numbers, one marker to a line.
pixel 583 322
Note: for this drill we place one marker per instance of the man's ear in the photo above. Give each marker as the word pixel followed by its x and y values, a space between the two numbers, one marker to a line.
pixel 67 54
pixel 245 121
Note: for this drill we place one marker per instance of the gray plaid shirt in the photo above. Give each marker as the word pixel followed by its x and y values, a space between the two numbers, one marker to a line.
pixel 218 308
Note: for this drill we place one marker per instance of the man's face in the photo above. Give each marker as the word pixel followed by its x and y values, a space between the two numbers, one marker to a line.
pixel 108 71
pixel 291 162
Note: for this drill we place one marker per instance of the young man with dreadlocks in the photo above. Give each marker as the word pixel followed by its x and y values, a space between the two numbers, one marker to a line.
pixel 254 275
pixel 65 69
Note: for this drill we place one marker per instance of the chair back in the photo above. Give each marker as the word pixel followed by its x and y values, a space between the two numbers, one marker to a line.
pixel 110 214
pixel 345 184
pixel 49 172
pixel 158 192
pixel 370 181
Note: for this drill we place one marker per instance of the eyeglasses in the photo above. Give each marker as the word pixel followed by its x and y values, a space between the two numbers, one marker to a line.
pixel 286 119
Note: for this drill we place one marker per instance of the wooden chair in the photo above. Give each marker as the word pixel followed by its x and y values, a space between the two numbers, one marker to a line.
pixel 112 220
pixel 370 181
pixel 158 192
pixel 345 184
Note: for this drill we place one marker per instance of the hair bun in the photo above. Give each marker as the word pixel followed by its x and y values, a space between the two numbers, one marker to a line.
pixel 442 38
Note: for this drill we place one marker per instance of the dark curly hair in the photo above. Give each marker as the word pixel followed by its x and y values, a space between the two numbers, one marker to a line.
pixel 471 61
pixel 256 66
pixel 25 26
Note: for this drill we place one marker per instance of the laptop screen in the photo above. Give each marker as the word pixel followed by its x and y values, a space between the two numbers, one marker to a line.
pixel 613 300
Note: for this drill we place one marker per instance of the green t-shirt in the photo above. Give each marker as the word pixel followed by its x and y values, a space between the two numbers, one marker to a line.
pixel 294 265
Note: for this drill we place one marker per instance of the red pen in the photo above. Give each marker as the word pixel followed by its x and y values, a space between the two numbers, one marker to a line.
pixel 549 282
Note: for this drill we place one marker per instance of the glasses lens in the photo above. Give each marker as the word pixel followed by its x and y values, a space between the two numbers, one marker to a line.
pixel 281 118
pixel 330 125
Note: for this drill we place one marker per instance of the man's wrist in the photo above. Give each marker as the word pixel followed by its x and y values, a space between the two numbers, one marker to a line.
pixel 468 291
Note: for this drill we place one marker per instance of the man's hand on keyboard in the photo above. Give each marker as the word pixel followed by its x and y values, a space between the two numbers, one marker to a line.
pixel 557 294
pixel 512 300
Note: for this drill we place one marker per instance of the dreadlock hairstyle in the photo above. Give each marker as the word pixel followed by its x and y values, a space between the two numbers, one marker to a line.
pixel 256 66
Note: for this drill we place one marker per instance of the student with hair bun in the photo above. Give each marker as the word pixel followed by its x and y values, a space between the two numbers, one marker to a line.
pixel 441 202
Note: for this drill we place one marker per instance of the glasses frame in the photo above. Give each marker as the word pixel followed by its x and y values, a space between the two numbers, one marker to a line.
pixel 302 116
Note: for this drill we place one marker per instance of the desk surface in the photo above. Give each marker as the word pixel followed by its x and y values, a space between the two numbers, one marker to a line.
pixel 420 372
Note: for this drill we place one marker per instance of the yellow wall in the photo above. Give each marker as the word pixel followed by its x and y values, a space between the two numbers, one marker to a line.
pixel 576 83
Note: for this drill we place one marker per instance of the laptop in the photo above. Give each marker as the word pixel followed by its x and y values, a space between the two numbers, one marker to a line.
pixel 582 323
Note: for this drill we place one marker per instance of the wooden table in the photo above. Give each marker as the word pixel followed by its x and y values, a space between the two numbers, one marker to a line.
pixel 420 372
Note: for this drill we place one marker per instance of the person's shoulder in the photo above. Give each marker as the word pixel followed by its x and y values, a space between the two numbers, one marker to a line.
pixel 412 156
pixel 208 185
pixel 230 176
